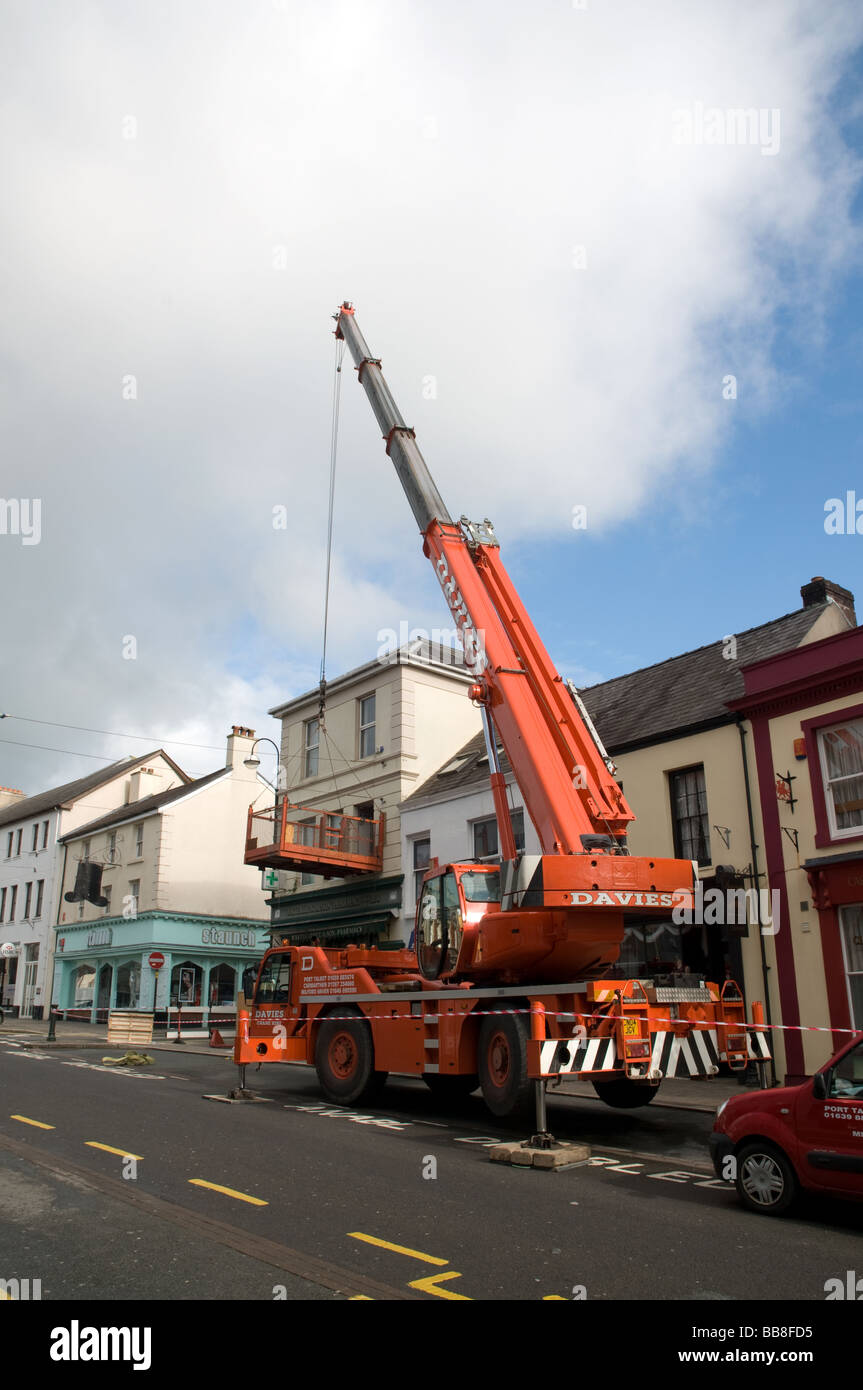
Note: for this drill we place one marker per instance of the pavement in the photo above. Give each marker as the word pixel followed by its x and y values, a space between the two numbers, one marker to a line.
pixel 702 1094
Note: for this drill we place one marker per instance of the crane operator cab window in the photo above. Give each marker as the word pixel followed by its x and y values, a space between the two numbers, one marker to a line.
pixel 439 927
pixel 274 982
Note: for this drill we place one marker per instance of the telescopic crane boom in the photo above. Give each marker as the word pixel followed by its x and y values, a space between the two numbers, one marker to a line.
pixel 568 787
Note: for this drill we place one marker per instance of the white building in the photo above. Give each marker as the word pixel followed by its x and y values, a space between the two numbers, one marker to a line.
pixel 31 864
pixel 172 887
pixel 451 818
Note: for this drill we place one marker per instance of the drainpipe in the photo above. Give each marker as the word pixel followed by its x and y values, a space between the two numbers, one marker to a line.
pixel 756 876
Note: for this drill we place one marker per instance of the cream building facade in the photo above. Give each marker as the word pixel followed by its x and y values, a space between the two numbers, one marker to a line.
pixel 170 882
pixel 386 726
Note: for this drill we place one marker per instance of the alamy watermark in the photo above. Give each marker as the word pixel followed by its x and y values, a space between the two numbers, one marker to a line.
pixel 729 907
pixel 21 516
pixel 448 646
pixel 21 1290
pixel 711 125
pixel 844 515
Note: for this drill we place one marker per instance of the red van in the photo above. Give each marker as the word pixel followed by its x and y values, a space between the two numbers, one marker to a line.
pixel 772 1143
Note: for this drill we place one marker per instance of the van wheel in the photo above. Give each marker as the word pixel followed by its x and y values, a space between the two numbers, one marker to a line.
pixel 502 1064
pixel 345 1061
pixel 765 1180
pixel 624 1094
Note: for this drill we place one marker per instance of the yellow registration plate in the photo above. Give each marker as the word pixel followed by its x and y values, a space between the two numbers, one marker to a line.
pixel 630 1027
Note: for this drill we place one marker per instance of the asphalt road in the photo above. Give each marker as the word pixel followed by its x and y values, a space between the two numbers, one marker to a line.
pixel 129 1185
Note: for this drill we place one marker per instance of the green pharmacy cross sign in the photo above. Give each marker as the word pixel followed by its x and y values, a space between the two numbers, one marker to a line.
pixel 270 879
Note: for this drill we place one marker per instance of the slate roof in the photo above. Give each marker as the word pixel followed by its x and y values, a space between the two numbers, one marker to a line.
pixel 690 691
pixel 135 809
pixel 56 797
pixel 677 696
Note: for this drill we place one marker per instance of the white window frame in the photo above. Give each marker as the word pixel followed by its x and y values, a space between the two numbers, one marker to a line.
pixel 309 748
pixel 848 832
pixel 368 726
pixel 419 872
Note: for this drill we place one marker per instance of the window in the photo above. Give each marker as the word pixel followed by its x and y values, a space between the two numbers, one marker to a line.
pixel 35 837
pixel 421 853
pixel 44 834
pixel 111 853
pixel 841 750
pixel 367 726
pixel 128 986
pixel 9 838
pixel 222 985
pixel 134 894
pixel 28 894
pixel 106 894
pixel 2 903
pixel 186 983
pixel 83 982
pixel 274 984
pixel 13 898
pixel 485 837
pixel 846 1078
pixel 139 840
pixel 18 841
pixel 312 739
pixel 85 852
pixel 689 815
pixel 40 893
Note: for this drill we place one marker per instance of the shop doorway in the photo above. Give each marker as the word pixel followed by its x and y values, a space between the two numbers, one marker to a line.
pixel 31 967
pixel 103 996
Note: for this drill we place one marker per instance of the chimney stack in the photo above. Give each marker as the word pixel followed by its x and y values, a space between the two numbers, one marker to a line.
pixel 240 742
pixel 821 590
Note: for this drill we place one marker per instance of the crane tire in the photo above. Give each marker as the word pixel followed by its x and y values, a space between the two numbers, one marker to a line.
pixel 502 1065
pixel 345 1061
pixel 624 1094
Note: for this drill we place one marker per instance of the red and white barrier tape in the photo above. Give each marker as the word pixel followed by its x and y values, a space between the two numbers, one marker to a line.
pixel 551 1013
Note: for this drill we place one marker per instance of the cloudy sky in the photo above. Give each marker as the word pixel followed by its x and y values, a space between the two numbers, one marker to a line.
pixel 590 287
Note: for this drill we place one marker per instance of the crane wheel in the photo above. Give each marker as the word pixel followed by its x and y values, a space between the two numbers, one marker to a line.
pixel 345 1061
pixel 502 1065
pixel 625 1094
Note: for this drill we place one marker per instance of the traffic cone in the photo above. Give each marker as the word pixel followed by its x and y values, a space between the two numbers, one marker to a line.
pixel 216 1039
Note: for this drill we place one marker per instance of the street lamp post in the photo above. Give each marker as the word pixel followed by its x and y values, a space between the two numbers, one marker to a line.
pixel 254 763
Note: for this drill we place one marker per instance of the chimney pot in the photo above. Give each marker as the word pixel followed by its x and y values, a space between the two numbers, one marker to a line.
pixel 820 590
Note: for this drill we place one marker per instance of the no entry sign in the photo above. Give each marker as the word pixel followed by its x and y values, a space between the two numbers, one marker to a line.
pixel 156 960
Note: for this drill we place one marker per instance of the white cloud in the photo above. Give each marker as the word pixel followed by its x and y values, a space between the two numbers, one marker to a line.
pixel 437 163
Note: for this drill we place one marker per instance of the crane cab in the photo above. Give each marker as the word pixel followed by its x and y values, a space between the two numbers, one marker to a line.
pixel 452 904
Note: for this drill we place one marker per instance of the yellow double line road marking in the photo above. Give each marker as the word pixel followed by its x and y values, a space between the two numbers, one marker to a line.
pixel 123 1153
pixel 229 1192
pixel 431 1281
pixel 399 1249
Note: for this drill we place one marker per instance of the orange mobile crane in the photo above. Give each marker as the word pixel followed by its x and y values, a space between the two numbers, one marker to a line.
pixel 505 986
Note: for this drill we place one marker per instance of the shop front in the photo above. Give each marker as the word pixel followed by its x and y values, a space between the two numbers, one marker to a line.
pixel 157 962
pixel 362 914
